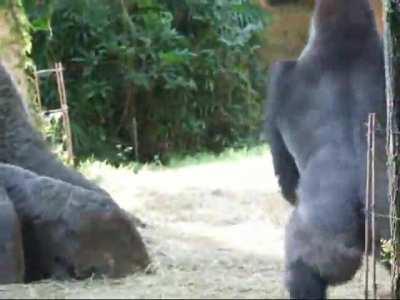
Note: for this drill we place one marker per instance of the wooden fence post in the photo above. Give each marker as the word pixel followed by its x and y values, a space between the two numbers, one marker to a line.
pixel 392 73
pixel 62 96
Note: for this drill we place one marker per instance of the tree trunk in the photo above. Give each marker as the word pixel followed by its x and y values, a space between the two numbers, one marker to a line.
pixel 392 70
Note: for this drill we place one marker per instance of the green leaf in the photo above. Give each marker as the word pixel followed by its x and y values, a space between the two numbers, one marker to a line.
pixel 176 56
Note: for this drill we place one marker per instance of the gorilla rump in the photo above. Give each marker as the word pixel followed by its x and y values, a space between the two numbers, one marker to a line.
pixel 317 111
pixel 53 221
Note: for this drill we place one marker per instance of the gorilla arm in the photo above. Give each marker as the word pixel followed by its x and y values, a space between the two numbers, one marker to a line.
pixel 22 145
pixel 284 164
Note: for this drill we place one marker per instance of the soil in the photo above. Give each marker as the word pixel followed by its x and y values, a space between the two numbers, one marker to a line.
pixel 213 231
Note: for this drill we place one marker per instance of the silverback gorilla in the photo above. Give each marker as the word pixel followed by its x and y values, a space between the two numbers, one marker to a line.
pixel 317 111
pixel 53 221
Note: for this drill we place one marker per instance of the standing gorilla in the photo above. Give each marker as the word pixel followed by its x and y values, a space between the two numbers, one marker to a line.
pixel 316 124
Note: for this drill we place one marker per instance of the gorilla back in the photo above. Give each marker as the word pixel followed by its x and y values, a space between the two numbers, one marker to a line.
pixel 317 107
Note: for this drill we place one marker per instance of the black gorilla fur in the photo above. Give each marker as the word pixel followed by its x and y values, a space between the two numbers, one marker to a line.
pixel 53 221
pixel 317 111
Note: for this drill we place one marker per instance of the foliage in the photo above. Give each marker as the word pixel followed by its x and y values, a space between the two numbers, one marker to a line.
pixel 387 251
pixel 19 38
pixel 152 77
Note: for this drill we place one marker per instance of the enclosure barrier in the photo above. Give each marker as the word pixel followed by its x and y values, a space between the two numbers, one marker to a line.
pixel 370 207
pixel 62 96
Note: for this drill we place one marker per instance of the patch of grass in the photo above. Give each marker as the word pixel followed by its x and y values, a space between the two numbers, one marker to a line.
pixel 92 163
pixel 177 161
pixel 229 154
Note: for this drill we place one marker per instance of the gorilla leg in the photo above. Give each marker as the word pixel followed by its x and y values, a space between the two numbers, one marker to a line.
pixel 11 253
pixel 304 282
pixel 68 231
pixel 320 253
pixel 23 146
pixel 324 237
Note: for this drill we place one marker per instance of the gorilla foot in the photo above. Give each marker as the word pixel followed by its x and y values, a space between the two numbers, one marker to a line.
pixel 305 283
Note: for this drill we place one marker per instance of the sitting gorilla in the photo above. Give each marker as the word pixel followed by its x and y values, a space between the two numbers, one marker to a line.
pixel 317 111
pixel 53 221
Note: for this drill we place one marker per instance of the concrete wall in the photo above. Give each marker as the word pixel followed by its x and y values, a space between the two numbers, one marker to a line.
pixel 288 32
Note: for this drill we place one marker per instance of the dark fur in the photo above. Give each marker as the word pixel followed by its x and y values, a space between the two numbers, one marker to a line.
pixel 317 110
pixel 21 144
pixel 55 222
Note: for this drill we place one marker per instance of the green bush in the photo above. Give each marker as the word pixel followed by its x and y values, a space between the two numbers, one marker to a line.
pixel 177 76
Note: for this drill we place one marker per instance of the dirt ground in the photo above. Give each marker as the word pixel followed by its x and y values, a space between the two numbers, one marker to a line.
pixel 213 231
